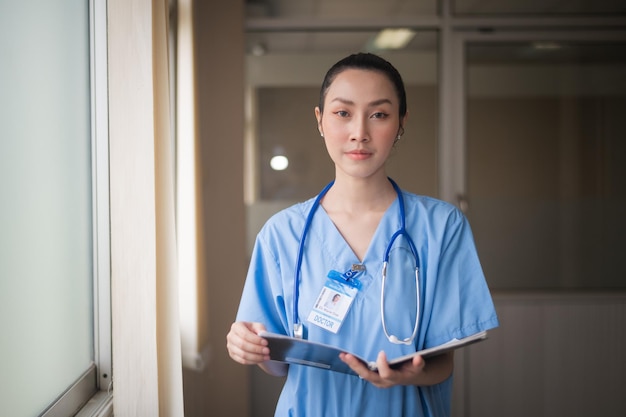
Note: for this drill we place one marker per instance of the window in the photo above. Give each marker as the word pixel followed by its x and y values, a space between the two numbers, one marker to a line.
pixel 54 314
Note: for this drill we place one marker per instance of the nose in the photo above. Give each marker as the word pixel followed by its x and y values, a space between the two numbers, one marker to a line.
pixel 360 130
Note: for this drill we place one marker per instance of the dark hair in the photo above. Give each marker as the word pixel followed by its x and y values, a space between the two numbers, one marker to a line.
pixel 365 61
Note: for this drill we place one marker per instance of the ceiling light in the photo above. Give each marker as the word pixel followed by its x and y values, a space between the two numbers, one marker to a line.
pixel 393 38
pixel 279 161
pixel 547 46
pixel 259 49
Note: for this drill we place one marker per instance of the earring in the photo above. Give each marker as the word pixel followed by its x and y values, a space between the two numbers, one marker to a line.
pixel 400 133
pixel 322 134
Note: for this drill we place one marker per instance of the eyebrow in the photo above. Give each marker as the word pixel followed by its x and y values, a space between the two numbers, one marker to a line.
pixel 371 104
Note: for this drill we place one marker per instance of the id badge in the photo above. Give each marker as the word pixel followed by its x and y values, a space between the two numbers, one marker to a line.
pixel 334 301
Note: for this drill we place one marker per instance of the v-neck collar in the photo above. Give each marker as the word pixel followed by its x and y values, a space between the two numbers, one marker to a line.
pixel 388 224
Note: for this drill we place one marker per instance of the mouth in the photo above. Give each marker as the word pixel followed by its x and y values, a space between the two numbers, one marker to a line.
pixel 359 154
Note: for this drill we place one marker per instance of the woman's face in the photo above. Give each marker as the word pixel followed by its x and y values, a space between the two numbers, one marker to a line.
pixel 360 122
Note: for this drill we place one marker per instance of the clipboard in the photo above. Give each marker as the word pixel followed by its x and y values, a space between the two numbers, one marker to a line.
pixel 291 350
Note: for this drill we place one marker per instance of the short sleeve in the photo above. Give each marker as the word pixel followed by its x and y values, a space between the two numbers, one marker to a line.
pixel 462 303
pixel 262 298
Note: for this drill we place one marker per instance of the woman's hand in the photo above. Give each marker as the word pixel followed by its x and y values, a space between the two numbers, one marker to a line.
pixel 248 348
pixel 245 345
pixel 415 372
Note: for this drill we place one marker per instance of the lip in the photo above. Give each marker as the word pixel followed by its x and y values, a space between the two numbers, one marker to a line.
pixel 359 154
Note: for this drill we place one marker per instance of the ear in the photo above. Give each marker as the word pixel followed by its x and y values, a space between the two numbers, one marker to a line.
pixel 318 116
pixel 402 123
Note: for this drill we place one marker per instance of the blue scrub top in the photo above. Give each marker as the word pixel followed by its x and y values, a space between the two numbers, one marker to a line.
pixel 456 302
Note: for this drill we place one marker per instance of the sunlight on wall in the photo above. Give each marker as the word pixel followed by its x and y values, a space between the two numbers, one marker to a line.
pixel 193 339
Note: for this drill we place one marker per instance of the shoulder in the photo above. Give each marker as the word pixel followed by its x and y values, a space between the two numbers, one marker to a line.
pixel 443 223
pixel 434 208
pixel 439 219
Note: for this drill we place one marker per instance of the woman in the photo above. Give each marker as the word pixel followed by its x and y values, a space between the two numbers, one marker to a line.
pixel 349 229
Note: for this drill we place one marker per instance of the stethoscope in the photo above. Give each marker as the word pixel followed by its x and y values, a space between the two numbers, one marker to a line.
pixel 297 327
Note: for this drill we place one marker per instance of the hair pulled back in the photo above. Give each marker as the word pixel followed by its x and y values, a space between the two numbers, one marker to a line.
pixel 369 62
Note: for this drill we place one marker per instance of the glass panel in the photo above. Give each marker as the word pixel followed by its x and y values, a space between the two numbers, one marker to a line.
pixel 45 216
pixel 539 7
pixel 283 83
pixel 333 9
pixel 547 163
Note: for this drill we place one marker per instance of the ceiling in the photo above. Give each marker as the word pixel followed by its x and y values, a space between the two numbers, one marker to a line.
pixel 353 9
pixel 314 39
pixel 315 26
pixel 367 9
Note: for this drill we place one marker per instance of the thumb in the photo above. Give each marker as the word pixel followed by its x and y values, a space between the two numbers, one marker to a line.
pixel 257 327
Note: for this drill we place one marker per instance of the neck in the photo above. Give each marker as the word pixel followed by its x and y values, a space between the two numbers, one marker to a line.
pixel 359 195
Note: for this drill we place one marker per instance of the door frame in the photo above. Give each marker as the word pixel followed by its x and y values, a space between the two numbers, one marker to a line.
pixel 453 94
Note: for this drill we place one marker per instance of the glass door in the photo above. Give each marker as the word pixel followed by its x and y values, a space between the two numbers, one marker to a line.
pixel 544 173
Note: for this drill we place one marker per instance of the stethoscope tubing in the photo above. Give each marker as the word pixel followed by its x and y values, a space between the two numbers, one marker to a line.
pixel 296 281
pixel 401 232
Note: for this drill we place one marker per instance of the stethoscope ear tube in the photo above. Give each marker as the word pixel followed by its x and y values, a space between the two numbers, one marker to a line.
pixel 297 326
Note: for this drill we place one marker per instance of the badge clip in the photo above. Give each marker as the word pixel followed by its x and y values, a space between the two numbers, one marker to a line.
pixel 349 277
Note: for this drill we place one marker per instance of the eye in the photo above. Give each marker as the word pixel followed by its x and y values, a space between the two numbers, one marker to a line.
pixel 341 113
pixel 379 115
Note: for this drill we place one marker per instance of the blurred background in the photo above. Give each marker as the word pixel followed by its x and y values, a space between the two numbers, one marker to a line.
pixel 110 180
pixel 516 114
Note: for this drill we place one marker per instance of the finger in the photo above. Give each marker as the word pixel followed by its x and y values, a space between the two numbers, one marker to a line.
pixel 247 332
pixel 247 353
pixel 360 368
pixel 387 376
pixel 244 345
pixel 418 363
pixel 257 327
pixel 354 363
pixel 246 357
pixel 384 370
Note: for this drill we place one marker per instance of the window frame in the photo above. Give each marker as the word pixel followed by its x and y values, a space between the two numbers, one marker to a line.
pixel 101 212
pixel 91 394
